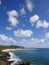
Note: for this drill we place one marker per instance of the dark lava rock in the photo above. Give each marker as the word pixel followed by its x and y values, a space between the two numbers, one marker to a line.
pixel 25 63
pixel 4 56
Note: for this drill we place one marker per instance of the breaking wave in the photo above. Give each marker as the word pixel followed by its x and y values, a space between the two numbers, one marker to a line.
pixel 14 58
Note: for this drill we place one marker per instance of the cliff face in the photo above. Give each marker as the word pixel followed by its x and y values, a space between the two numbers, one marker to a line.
pixel 4 57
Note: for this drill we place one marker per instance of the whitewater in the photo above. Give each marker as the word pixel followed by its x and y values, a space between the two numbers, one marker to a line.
pixel 14 58
pixel 35 57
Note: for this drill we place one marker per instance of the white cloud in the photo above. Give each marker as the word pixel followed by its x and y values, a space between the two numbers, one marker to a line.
pixel 0 2
pixel 29 5
pixel 33 43
pixel 23 33
pixel 13 21
pixel 22 11
pixel 43 24
pixel 13 13
pixel 47 35
pixel 11 39
pixel 36 43
pixel 37 40
pixel 12 17
pixel 42 40
pixel 34 18
pixel 8 28
pixel 39 23
pixel 4 38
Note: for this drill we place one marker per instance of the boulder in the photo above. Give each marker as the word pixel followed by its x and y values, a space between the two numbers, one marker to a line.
pixel 25 63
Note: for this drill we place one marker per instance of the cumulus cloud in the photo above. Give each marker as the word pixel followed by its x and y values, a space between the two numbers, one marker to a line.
pixel 43 24
pixel 13 17
pixel 4 38
pixel 13 21
pixel 34 18
pixel 22 11
pixel 33 43
pixel 29 5
pixel 47 35
pixel 8 28
pixel 13 13
pixel 23 33
pixel 39 23
pixel 39 43
pixel 37 40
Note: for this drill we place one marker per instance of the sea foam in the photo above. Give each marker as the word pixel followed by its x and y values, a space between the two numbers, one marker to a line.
pixel 14 58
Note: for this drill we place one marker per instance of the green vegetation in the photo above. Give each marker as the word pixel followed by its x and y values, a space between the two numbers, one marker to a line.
pixel 10 47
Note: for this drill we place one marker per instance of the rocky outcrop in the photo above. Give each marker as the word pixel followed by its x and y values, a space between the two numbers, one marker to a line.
pixel 25 63
pixel 4 56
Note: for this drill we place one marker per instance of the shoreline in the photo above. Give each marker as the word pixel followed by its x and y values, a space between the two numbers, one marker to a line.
pixel 8 50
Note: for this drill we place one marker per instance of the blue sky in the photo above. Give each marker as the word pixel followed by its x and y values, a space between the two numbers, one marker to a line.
pixel 24 23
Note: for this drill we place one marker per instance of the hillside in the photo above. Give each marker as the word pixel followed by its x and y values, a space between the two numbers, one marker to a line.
pixel 10 47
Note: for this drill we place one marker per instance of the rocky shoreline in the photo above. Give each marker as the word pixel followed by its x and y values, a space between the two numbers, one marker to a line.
pixel 4 56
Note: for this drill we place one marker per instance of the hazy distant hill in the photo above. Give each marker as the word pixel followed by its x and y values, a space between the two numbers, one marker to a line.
pixel 10 47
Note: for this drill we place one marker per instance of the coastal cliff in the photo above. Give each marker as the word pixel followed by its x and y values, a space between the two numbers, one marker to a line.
pixel 4 56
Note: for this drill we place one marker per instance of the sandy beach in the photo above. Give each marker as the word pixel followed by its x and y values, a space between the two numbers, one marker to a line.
pixel 8 50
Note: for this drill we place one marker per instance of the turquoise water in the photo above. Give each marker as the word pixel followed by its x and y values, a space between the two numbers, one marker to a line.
pixel 35 57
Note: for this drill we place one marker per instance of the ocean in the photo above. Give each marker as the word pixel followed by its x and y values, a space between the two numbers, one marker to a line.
pixel 34 56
